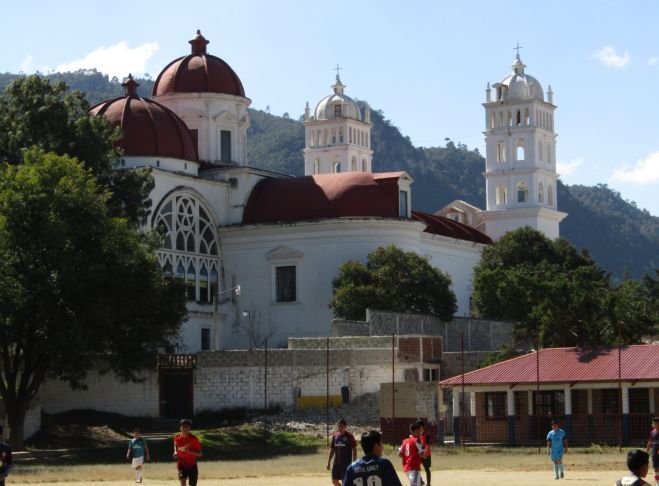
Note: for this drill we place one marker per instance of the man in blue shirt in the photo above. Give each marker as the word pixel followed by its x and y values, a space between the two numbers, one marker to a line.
pixel 364 471
pixel 556 447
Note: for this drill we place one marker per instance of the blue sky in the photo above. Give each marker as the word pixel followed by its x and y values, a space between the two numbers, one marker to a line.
pixel 425 64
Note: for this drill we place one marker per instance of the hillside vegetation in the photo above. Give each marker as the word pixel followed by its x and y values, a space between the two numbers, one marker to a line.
pixel 621 237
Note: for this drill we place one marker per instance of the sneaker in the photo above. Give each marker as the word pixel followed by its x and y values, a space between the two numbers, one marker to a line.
pixel 561 474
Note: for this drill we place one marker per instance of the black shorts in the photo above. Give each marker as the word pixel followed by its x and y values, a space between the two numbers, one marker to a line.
pixel 189 473
pixel 339 470
pixel 426 462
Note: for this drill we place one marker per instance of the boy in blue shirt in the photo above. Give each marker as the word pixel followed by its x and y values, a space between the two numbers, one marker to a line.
pixel 139 451
pixel 556 447
pixel 372 468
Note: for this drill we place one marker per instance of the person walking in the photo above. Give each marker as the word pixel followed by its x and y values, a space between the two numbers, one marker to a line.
pixel 187 449
pixel 138 452
pixel 343 448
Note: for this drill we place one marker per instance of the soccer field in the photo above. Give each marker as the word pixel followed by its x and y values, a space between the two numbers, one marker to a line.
pixel 499 467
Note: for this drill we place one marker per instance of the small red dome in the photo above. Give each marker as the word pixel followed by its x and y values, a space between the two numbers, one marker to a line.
pixel 149 128
pixel 198 72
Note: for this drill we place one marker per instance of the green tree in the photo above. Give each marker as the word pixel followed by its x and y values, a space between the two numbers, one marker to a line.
pixel 36 113
pixel 553 293
pixel 78 287
pixel 393 280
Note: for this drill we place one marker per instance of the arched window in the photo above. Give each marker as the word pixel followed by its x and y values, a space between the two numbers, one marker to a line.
pixel 188 242
pixel 519 150
pixel 336 167
pixel 353 164
pixel 522 192
pixel 341 135
pixel 501 195
pixel 518 120
pixel 349 134
pixel 550 195
pixel 541 193
pixel 500 119
pixel 527 117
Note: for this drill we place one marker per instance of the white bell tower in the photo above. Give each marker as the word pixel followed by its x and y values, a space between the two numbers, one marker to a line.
pixel 520 160
pixel 337 136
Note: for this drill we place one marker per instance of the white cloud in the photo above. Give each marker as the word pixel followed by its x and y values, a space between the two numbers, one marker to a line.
pixel 27 65
pixel 609 57
pixel 567 168
pixel 653 60
pixel 117 60
pixel 645 171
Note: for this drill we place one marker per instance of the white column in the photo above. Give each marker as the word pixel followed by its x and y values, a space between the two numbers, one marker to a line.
pixel 625 399
pixel 651 399
pixel 472 404
pixel 456 402
pixel 568 400
pixel 510 402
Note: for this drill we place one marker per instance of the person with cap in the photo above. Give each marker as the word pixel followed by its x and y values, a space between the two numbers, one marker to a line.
pixel 187 449
pixel 5 459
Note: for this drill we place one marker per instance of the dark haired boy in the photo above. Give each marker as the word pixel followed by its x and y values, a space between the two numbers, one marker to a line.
pixel 556 447
pixel 412 452
pixel 138 451
pixel 372 468
pixel 5 459
pixel 187 449
pixel 653 448
pixel 638 464
pixel 343 449
pixel 426 461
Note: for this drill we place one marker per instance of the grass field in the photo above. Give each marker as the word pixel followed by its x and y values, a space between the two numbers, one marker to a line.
pixel 451 467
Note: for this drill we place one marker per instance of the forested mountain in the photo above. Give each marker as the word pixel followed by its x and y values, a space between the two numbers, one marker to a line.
pixel 622 238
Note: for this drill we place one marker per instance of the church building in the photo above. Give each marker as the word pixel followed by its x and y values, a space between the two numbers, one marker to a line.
pixel 227 225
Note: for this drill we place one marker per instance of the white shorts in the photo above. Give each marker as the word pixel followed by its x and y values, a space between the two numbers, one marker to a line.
pixel 137 462
pixel 414 477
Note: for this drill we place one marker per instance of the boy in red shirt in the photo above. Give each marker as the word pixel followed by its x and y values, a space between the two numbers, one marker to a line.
pixel 412 452
pixel 187 449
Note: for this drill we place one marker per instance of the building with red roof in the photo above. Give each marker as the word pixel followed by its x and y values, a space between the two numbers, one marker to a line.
pixel 600 395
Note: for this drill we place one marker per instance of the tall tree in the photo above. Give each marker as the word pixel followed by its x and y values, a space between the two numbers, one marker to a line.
pixel 553 293
pixel 36 113
pixel 394 280
pixel 78 287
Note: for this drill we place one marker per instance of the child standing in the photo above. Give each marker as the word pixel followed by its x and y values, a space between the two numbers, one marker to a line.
pixel 5 459
pixel 187 449
pixel 344 451
pixel 653 448
pixel 556 447
pixel 138 450
pixel 426 461
pixel 637 463
pixel 412 451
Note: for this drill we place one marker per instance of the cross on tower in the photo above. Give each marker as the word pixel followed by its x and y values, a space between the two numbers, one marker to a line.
pixel 337 68
pixel 517 48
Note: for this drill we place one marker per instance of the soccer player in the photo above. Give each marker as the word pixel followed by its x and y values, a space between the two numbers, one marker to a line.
pixel 411 450
pixel 556 447
pixel 138 450
pixel 653 448
pixel 638 464
pixel 343 449
pixel 187 449
pixel 425 461
pixel 372 468
pixel 5 459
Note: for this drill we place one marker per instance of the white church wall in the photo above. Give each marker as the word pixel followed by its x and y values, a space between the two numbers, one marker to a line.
pixel 317 249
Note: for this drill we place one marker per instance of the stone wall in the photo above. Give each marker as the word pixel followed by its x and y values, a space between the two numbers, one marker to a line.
pixel 478 334
pixel 452 363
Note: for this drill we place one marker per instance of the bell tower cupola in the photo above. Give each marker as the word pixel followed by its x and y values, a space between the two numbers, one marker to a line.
pixel 520 160
pixel 337 134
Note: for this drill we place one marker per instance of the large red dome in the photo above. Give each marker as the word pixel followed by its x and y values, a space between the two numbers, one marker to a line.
pixel 198 72
pixel 149 128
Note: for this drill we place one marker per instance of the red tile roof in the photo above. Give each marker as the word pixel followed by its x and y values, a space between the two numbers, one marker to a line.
pixel 569 365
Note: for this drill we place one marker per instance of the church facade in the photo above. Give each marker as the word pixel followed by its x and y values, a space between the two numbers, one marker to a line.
pixel 227 225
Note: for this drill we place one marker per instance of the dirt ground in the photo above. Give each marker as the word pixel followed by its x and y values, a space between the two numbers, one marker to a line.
pixel 445 478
